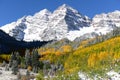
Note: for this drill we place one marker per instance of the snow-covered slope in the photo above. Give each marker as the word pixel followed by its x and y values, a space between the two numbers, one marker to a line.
pixel 107 20
pixel 104 23
pixel 45 25
pixel 101 24
pixel 36 25
pixel 28 28
pixel 16 29
pixel 64 22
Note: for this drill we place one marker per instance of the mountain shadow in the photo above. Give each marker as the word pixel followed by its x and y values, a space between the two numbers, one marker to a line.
pixel 9 44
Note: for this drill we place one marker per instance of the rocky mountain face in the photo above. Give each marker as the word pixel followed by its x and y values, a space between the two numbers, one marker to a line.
pixel 102 24
pixel 106 22
pixel 45 25
pixel 28 28
pixel 64 22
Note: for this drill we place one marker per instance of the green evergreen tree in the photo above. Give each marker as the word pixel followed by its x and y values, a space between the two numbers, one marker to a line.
pixel 35 61
pixel 15 67
pixel 27 58
pixel 18 58
pixel 11 60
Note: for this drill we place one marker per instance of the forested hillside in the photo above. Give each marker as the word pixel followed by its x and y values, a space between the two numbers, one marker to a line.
pixel 94 59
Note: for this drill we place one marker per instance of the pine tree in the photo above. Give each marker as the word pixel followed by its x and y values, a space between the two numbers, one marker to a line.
pixel 35 61
pixel 6 67
pixel 15 67
pixel 14 62
pixel 27 58
pixel 11 59
pixel 3 64
pixel 18 58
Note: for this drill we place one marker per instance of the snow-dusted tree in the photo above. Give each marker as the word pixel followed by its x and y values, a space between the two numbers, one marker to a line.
pixel 15 67
pixel 3 64
pixel 35 60
pixel 14 62
pixel 18 58
pixel 11 59
pixel 27 58
pixel 6 67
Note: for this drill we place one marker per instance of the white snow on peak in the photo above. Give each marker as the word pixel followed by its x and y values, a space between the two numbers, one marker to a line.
pixel 106 22
pixel 28 28
pixel 72 35
pixel 64 22
pixel 66 7
pixel 43 13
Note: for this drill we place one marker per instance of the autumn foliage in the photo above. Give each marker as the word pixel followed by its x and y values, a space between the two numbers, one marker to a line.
pixel 97 57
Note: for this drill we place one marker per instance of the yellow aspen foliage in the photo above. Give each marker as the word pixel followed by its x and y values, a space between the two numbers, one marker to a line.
pixel 82 44
pixel 58 53
pixel 71 70
pixel 97 56
pixel 66 65
pixel 66 49
pixel 4 57
pixel 116 56
pixel 103 55
pixel 92 60
pixel 41 51
pixel 48 51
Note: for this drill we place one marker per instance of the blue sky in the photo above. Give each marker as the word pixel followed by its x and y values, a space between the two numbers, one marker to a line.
pixel 11 10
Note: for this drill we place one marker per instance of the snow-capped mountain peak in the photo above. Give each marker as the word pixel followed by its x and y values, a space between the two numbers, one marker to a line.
pixel 64 22
pixel 28 28
pixel 111 19
pixel 66 8
pixel 43 13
